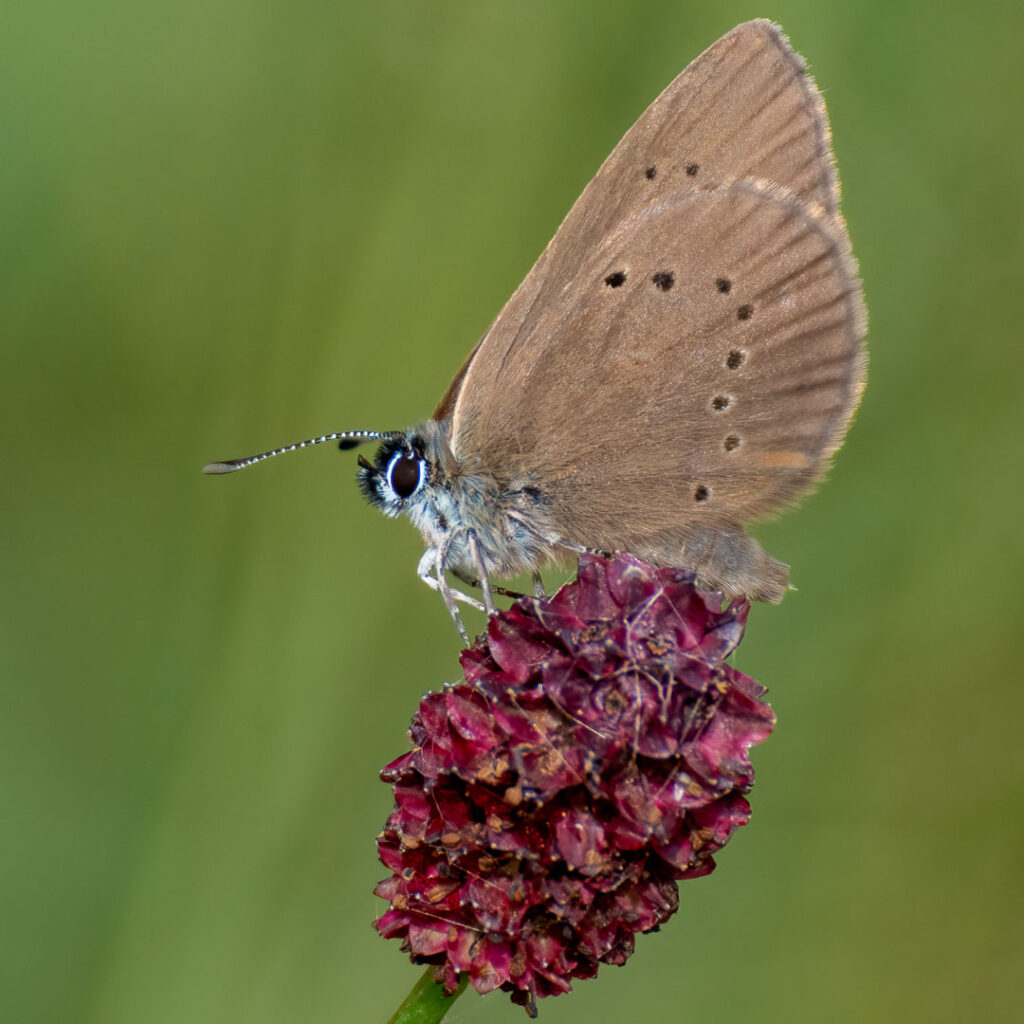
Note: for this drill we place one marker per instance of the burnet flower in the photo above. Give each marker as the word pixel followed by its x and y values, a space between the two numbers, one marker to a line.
pixel 596 754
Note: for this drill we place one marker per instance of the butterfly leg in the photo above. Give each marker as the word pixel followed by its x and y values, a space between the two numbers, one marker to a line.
pixel 431 571
pixel 450 595
pixel 478 559
pixel 579 549
pixel 538 585
pixel 472 581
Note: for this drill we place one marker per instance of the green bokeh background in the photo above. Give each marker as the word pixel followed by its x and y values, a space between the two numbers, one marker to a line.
pixel 226 225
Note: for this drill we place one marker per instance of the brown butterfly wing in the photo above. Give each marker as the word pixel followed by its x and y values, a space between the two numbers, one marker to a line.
pixel 745 108
pixel 696 374
pixel 687 352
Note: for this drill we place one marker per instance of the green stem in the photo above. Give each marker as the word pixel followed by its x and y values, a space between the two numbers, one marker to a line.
pixel 427 1002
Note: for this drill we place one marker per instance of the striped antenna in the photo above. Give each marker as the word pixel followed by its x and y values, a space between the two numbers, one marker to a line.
pixel 353 437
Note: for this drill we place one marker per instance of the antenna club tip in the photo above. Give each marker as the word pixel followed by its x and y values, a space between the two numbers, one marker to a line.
pixel 215 468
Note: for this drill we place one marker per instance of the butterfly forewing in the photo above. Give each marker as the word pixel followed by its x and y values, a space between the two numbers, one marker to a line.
pixel 745 108
pixel 687 352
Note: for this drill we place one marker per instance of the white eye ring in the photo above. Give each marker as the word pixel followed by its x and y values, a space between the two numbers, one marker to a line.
pixel 400 456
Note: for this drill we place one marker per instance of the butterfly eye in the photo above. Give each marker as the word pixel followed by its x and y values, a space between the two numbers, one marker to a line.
pixel 405 475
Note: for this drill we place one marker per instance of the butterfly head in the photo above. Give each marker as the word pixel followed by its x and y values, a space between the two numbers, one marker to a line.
pixel 399 476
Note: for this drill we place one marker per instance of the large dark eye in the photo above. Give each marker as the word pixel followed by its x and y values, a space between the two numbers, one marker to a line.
pixel 405 475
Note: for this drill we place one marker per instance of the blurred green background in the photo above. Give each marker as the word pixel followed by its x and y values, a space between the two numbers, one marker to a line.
pixel 227 225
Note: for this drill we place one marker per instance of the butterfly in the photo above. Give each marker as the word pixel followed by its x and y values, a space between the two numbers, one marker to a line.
pixel 682 360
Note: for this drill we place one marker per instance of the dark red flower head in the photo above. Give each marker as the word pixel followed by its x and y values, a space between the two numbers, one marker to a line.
pixel 596 753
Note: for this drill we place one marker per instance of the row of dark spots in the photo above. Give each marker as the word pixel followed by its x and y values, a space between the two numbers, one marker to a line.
pixel 724 286
pixel 663 279
pixel 733 361
pixel 651 173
